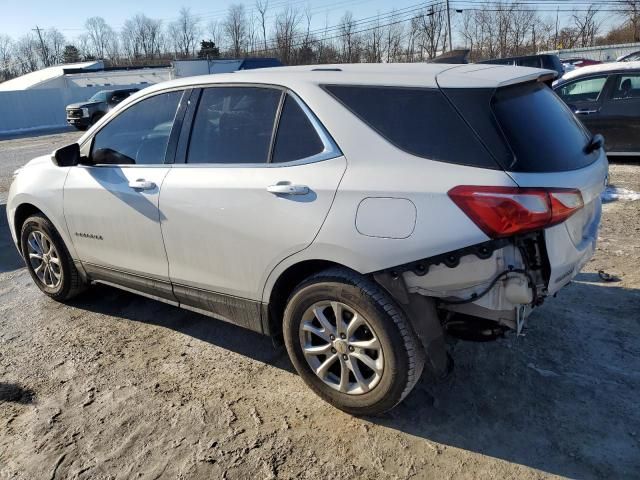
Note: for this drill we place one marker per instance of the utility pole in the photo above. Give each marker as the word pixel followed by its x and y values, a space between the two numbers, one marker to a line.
pixel 45 53
pixel 449 27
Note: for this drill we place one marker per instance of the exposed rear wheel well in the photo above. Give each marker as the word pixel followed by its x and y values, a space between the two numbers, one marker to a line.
pixel 23 212
pixel 284 286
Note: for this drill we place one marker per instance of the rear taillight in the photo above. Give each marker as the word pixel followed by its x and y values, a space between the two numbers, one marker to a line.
pixel 506 211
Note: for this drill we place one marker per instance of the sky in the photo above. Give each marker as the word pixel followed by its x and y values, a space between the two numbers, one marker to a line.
pixel 18 17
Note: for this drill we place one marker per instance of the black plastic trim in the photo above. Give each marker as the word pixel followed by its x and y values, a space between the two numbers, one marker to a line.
pixel 147 285
pixel 251 314
pixel 450 259
pixel 187 126
pixel 174 136
pixel 239 311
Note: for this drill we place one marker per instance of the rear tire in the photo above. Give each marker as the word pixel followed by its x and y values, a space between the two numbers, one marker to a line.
pixel 370 364
pixel 48 259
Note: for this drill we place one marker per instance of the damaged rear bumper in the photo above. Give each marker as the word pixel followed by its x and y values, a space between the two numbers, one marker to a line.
pixel 500 280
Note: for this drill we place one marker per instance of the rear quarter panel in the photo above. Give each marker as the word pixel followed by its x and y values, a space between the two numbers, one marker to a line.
pixel 377 169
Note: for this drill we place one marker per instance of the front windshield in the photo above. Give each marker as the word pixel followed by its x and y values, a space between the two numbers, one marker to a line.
pixel 100 96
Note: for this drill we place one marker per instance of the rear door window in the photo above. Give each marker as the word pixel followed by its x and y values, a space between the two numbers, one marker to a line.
pixel 419 121
pixel 627 86
pixel 234 125
pixel 587 90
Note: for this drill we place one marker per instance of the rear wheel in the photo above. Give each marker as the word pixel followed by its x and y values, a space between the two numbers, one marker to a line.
pixel 48 260
pixel 350 342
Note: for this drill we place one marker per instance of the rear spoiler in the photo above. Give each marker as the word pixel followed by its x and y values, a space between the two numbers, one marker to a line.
pixel 492 76
pixel 544 76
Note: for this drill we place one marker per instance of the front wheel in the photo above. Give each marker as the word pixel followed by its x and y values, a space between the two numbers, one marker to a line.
pixel 350 343
pixel 48 260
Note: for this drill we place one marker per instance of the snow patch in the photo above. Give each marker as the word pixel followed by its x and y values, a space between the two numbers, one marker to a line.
pixel 613 194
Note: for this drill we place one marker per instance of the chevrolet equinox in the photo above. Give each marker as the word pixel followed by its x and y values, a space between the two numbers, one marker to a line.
pixel 349 209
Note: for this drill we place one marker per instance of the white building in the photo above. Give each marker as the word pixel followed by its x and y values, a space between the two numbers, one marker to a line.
pixel 94 74
pixel 37 100
pixel 602 53
pixel 86 74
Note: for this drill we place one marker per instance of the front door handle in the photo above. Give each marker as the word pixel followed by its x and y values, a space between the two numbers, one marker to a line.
pixel 585 112
pixel 142 184
pixel 288 189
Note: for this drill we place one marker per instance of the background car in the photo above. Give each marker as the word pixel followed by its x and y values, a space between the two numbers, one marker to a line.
pixel 630 57
pixel 84 114
pixel 545 60
pixel 606 98
pixel 570 64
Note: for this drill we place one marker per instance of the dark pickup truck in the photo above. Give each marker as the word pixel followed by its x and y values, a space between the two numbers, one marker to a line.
pixel 84 114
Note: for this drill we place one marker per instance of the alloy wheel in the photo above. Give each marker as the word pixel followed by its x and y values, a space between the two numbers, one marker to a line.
pixel 341 347
pixel 44 259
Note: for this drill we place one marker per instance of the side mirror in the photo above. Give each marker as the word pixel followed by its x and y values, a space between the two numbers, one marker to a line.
pixel 68 156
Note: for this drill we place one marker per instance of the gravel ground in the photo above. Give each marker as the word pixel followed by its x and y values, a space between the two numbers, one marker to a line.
pixel 117 386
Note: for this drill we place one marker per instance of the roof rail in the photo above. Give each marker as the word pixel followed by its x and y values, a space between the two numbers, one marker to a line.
pixel 326 69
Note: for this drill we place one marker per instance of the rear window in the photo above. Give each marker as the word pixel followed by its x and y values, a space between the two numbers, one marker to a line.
pixel 544 135
pixel 420 121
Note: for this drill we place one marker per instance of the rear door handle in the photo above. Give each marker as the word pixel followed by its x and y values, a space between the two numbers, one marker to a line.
pixel 288 189
pixel 142 184
pixel 585 112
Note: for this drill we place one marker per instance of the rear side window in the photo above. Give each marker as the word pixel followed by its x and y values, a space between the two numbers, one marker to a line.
pixel 543 133
pixel 419 121
pixel 234 125
pixel 627 86
pixel 296 138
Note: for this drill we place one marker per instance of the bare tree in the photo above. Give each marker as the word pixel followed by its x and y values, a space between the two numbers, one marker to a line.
pixel 7 65
pixel 349 39
pixel 431 24
pixel 214 31
pixel 632 14
pixel 521 30
pixel 100 34
pixel 394 37
pixel 253 34
pixel 55 45
pixel 235 27
pixel 84 48
pixel 261 7
pixel 286 32
pixel 185 32
pixel 26 49
pixel 587 26
pixel 373 41
pixel 141 36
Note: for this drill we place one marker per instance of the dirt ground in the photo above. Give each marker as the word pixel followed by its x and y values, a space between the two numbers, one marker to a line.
pixel 117 386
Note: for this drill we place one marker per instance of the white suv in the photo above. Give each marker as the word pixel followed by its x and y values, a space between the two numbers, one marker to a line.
pixel 352 209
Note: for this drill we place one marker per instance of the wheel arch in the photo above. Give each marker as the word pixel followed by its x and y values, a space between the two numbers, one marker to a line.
pixel 28 208
pixel 24 211
pixel 284 284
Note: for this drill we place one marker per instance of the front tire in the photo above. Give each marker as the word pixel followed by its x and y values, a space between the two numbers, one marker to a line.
pixel 350 343
pixel 48 259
